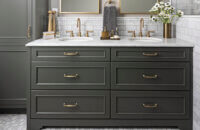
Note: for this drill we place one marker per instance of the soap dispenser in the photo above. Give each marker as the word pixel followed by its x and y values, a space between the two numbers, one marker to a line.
pixel 105 34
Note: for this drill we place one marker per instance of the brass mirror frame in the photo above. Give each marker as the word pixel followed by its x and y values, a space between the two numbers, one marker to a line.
pixel 60 10
pixel 120 9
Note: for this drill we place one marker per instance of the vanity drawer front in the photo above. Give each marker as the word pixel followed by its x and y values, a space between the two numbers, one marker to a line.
pixel 150 105
pixel 150 54
pixel 70 75
pixel 71 54
pixel 70 104
pixel 150 76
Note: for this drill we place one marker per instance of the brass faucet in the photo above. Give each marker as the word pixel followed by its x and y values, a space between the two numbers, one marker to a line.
pixel 141 26
pixel 79 26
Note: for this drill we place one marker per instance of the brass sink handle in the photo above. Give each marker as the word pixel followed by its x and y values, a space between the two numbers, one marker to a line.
pixel 87 32
pixel 71 33
pixel 71 53
pixel 150 105
pixel 149 33
pixel 70 105
pixel 71 75
pixel 150 77
pixel 133 33
pixel 150 54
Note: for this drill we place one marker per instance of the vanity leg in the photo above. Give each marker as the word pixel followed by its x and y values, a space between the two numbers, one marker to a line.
pixel 35 127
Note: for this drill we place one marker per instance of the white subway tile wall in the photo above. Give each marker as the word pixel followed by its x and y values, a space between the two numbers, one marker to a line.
pixel 188 28
pixel 125 24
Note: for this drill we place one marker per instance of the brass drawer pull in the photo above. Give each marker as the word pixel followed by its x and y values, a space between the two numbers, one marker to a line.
pixel 150 77
pixel 150 106
pixel 150 54
pixel 71 53
pixel 70 105
pixel 71 75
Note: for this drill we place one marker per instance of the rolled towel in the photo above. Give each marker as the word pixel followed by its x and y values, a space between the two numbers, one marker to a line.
pixel 110 18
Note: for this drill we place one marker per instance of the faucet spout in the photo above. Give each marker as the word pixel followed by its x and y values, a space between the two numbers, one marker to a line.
pixel 141 26
pixel 79 26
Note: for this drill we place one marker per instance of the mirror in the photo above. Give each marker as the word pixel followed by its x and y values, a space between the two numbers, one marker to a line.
pixel 136 6
pixel 79 6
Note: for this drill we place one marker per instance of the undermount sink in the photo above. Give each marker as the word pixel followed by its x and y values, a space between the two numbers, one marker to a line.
pixel 146 39
pixel 76 39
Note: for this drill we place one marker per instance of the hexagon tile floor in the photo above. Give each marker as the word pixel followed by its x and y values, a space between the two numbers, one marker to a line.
pixel 18 122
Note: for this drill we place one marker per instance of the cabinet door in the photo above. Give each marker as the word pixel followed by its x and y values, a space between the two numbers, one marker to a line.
pixel 13 77
pixel 150 105
pixel 150 76
pixel 70 75
pixel 14 21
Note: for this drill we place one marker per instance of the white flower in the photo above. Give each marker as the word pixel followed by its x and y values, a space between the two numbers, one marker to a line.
pixel 153 9
pixel 154 19
pixel 162 6
pixel 181 13
pixel 168 4
pixel 172 8
pixel 157 5
pixel 162 3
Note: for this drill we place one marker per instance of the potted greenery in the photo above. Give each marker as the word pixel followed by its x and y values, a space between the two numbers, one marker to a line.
pixel 164 12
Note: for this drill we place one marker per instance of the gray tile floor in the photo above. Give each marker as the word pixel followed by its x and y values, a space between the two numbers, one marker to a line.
pixel 18 122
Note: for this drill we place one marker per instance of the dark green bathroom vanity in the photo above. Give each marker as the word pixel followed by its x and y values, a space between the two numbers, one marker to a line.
pixel 110 85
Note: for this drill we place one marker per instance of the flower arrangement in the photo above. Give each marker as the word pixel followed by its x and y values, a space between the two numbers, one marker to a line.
pixel 164 12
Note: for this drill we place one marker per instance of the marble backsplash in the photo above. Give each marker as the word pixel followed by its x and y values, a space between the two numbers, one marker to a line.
pixel 188 29
pixel 125 24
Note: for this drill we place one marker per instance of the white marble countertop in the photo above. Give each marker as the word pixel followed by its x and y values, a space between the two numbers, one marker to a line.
pixel 124 42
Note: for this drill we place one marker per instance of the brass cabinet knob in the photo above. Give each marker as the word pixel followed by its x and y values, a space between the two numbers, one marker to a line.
pixel 149 33
pixel 71 33
pixel 87 33
pixel 133 33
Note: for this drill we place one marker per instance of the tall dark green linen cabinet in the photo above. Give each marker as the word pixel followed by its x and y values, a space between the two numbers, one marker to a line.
pixel 18 20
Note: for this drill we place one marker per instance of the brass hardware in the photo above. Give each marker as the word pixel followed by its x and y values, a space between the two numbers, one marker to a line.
pixel 71 33
pixel 87 33
pixel 167 30
pixel 54 21
pixel 79 26
pixel 149 77
pixel 133 33
pixel 149 33
pixel 150 54
pixel 29 32
pixel 70 105
pixel 50 25
pixel 71 75
pixel 150 105
pixel 141 26
pixel 71 53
